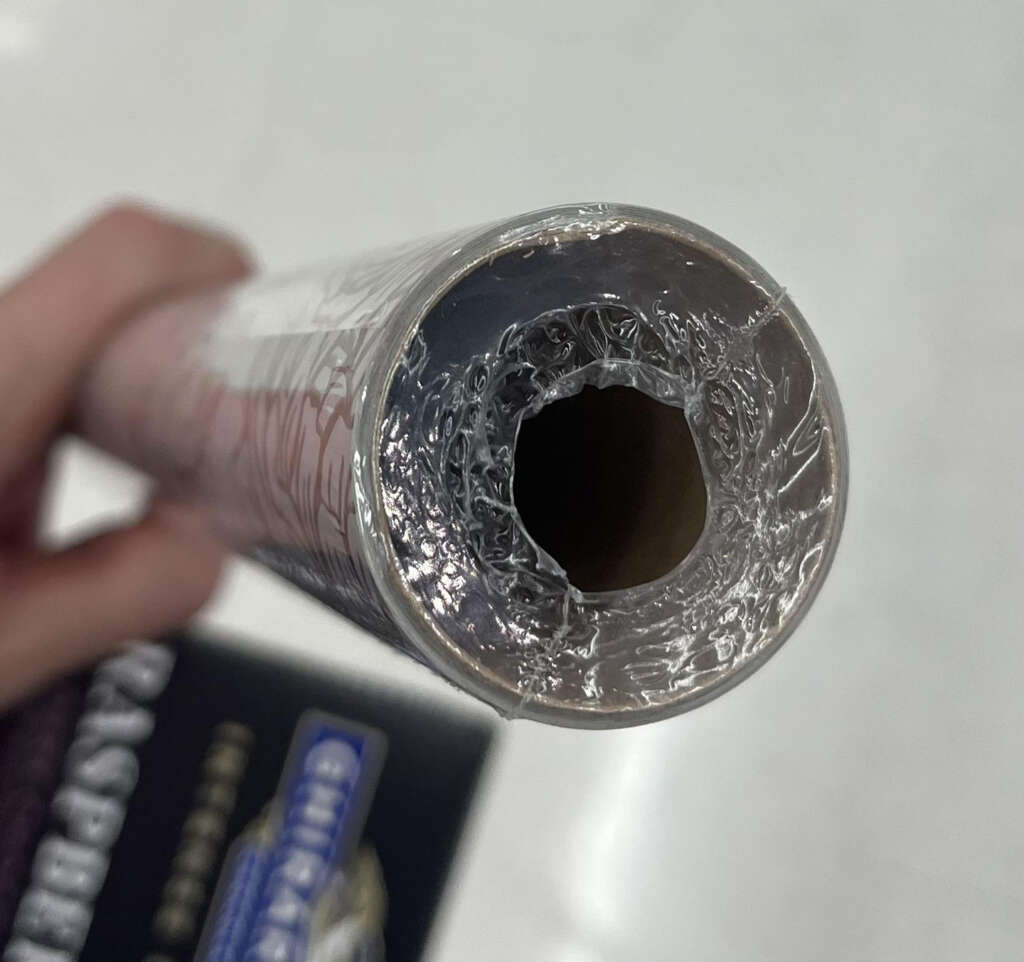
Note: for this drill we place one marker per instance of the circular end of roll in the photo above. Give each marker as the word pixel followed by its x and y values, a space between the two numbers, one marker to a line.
pixel 675 573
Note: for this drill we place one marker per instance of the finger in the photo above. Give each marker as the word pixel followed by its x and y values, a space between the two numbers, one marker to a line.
pixel 62 611
pixel 53 321
pixel 21 506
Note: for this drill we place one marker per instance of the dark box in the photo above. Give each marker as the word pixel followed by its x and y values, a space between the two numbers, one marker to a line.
pixel 434 759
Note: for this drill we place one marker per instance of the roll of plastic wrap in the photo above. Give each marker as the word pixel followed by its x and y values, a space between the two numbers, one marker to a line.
pixel 589 464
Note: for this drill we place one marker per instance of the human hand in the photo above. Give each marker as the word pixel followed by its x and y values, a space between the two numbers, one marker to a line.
pixel 62 609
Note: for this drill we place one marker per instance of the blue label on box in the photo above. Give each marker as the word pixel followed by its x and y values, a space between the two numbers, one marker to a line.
pixel 277 872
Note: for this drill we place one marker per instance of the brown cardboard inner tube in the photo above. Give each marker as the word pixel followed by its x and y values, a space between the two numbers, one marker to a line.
pixel 609 483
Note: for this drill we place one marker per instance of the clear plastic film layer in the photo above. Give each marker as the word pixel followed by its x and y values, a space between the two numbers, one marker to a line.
pixel 356 428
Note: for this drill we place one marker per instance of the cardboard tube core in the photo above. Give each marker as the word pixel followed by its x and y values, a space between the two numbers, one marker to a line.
pixel 610 484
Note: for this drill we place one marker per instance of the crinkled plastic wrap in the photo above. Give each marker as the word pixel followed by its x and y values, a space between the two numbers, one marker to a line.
pixel 355 429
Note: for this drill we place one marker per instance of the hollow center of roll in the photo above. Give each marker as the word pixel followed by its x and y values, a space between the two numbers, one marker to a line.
pixel 609 483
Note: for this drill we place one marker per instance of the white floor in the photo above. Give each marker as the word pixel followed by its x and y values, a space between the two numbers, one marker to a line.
pixel 862 796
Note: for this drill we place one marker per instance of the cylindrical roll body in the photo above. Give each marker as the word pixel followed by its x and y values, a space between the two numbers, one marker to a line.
pixel 354 428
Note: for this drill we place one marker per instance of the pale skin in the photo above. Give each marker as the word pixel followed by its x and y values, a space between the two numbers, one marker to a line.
pixel 60 610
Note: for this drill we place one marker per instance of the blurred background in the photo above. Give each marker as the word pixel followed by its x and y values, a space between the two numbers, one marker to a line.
pixel 861 796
